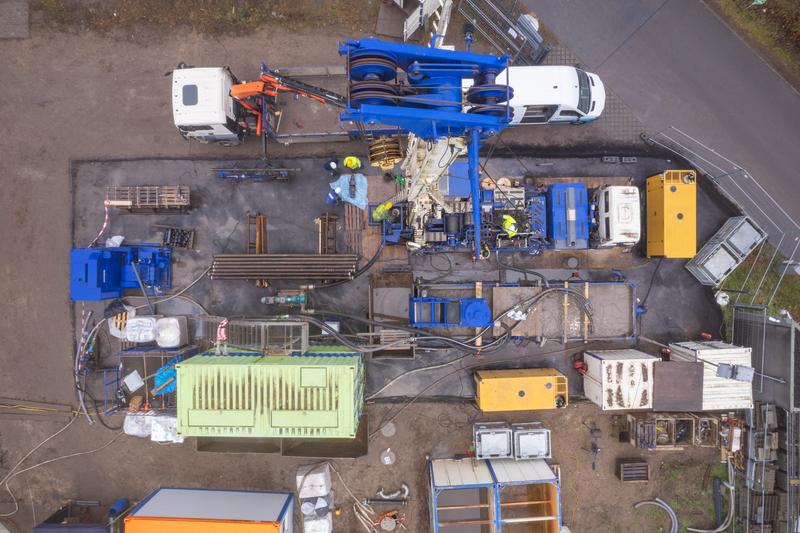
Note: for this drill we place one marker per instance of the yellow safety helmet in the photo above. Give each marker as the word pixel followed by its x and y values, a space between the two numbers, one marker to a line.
pixel 352 162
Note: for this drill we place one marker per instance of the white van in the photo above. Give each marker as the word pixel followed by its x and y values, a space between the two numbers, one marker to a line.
pixel 619 217
pixel 552 94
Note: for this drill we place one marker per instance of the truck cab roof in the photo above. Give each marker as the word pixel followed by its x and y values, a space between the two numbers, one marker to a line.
pixel 201 96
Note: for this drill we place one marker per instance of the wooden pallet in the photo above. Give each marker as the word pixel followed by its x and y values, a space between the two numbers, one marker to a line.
pixel 633 471
pixel 326 225
pixel 150 198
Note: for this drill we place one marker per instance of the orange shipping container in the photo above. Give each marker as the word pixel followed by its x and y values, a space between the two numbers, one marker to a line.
pixel 211 511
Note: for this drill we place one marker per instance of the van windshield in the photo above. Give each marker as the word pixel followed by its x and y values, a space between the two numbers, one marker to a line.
pixel 585 94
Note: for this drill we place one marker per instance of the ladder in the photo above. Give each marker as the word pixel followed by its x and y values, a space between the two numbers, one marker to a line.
pixel 437 12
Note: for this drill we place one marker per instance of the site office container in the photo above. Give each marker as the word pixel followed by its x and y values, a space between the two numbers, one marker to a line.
pixel 672 214
pixel 619 379
pixel 212 511
pixel 494 495
pixel 520 390
pixel 310 396
pixel 719 394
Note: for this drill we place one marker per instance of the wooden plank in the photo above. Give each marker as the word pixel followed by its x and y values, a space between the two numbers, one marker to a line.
pixel 592 182
pixel 566 313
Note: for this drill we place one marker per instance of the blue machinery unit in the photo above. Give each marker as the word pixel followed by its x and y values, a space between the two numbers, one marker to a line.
pixel 103 273
pixel 555 218
pixel 568 213
pixel 449 312
pixel 428 101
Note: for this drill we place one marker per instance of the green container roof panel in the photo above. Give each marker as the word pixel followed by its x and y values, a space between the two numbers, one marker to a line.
pixel 288 396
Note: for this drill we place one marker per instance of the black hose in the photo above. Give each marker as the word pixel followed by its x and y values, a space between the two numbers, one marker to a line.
pixel 523 270
pixel 491 347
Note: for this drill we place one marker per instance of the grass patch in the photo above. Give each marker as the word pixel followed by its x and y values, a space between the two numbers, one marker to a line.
pixel 773 27
pixel 210 17
pixel 720 471
pixel 763 267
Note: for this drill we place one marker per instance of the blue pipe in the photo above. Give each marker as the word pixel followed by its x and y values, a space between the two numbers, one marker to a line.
pixel 475 187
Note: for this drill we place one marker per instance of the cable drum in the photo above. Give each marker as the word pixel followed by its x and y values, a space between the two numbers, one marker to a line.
pixel 373 93
pixel 372 65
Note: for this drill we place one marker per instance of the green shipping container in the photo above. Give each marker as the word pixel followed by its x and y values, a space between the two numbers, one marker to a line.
pixel 309 396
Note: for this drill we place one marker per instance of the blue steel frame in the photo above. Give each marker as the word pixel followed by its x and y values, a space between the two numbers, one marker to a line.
pixel 495 487
pixel 441 71
pixel 634 305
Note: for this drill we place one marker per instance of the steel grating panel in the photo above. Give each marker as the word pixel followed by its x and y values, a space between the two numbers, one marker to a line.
pixel 272 397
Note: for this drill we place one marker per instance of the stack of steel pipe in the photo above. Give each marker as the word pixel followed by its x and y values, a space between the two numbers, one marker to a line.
pixel 332 267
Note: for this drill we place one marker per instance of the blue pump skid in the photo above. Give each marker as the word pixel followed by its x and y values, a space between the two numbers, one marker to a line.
pixel 104 273
pixel 568 216
pixel 429 102
pixel 424 312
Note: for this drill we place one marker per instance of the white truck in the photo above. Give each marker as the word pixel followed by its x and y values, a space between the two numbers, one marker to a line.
pixel 204 110
pixel 618 216
pixel 554 94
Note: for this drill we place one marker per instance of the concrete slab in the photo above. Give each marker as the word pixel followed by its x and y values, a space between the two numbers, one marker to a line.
pixel 679 308
pixel 390 20
pixel 14 19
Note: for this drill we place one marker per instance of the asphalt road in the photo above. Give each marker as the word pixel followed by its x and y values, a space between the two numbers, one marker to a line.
pixel 675 63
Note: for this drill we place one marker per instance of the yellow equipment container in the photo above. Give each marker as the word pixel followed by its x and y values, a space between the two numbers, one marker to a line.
pixel 672 214
pixel 520 390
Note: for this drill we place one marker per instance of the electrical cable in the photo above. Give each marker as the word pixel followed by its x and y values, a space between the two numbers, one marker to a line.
pixel 143 288
pixel 103 228
pixel 11 475
pixel 652 280
pixel 179 293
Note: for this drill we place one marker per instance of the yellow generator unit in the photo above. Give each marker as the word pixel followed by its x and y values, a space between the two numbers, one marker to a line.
pixel 520 390
pixel 672 214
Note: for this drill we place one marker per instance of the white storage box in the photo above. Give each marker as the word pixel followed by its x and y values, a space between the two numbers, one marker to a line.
pixel 172 332
pixel 318 525
pixel 493 440
pixel 314 481
pixel 531 441
pixel 619 379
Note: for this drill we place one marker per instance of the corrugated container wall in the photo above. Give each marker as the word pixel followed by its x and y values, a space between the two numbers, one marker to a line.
pixel 719 394
pixel 319 396
pixel 619 379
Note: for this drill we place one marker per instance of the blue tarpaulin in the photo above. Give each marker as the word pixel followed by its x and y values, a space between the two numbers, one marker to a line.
pixel 359 199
